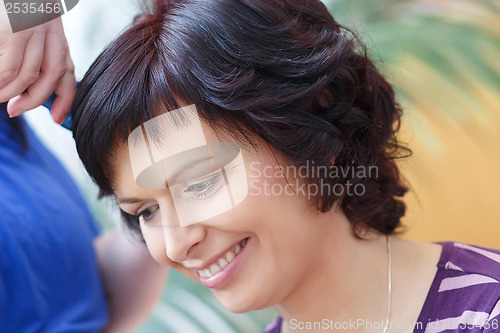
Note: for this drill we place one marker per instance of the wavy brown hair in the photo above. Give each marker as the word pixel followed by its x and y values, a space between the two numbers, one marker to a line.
pixel 281 70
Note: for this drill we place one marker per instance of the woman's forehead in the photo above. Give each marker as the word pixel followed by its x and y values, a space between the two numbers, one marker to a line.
pixel 175 146
pixel 167 134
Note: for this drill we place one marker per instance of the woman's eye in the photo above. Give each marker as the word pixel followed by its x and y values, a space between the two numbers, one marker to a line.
pixel 147 214
pixel 204 189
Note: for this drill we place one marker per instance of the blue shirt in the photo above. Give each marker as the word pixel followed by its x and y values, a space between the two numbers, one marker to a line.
pixel 49 279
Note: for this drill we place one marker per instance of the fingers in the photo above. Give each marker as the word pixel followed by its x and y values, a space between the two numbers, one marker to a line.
pixel 29 71
pixel 65 92
pixel 66 85
pixel 56 74
pixel 12 49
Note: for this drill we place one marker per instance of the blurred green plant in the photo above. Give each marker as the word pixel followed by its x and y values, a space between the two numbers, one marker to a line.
pixel 443 58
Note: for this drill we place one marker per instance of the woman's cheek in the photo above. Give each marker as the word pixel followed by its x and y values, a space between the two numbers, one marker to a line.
pixel 155 241
pixel 265 179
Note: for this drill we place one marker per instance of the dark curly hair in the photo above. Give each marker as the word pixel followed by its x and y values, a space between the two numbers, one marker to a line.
pixel 281 70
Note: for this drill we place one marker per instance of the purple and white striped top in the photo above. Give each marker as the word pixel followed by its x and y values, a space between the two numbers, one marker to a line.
pixel 464 296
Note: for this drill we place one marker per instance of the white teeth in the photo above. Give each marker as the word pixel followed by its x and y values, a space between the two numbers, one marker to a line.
pixel 206 273
pixel 230 256
pixel 223 262
pixel 214 269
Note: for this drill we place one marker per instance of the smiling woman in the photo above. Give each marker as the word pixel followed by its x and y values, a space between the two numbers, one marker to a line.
pixel 281 86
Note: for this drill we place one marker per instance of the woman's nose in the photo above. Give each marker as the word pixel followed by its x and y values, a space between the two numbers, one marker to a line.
pixel 180 241
pixel 165 235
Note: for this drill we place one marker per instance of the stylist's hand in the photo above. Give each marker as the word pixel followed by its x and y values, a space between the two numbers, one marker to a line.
pixel 34 64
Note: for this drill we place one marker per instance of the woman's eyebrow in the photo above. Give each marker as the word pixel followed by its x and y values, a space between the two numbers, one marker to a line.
pixel 185 170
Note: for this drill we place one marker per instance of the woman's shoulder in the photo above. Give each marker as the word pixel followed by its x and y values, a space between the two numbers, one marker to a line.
pixel 470 260
pixel 465 290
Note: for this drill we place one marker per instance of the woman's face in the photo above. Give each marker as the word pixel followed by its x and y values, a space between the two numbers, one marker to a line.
pixel 252 255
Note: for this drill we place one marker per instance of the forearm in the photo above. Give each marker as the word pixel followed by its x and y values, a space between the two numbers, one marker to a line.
pixel 133 280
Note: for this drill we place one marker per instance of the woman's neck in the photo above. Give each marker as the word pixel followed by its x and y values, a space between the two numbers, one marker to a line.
pixel 347 284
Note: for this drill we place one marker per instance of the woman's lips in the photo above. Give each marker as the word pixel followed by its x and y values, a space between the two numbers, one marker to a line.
pixel 220 271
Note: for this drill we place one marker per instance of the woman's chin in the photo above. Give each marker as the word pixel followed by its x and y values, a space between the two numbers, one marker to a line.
pixel 237 304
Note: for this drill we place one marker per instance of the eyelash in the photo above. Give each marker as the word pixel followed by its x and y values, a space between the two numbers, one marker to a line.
pixel 141 215
pixel 212 185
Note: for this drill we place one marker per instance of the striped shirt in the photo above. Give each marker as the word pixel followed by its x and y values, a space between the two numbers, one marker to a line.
pixel 464 295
